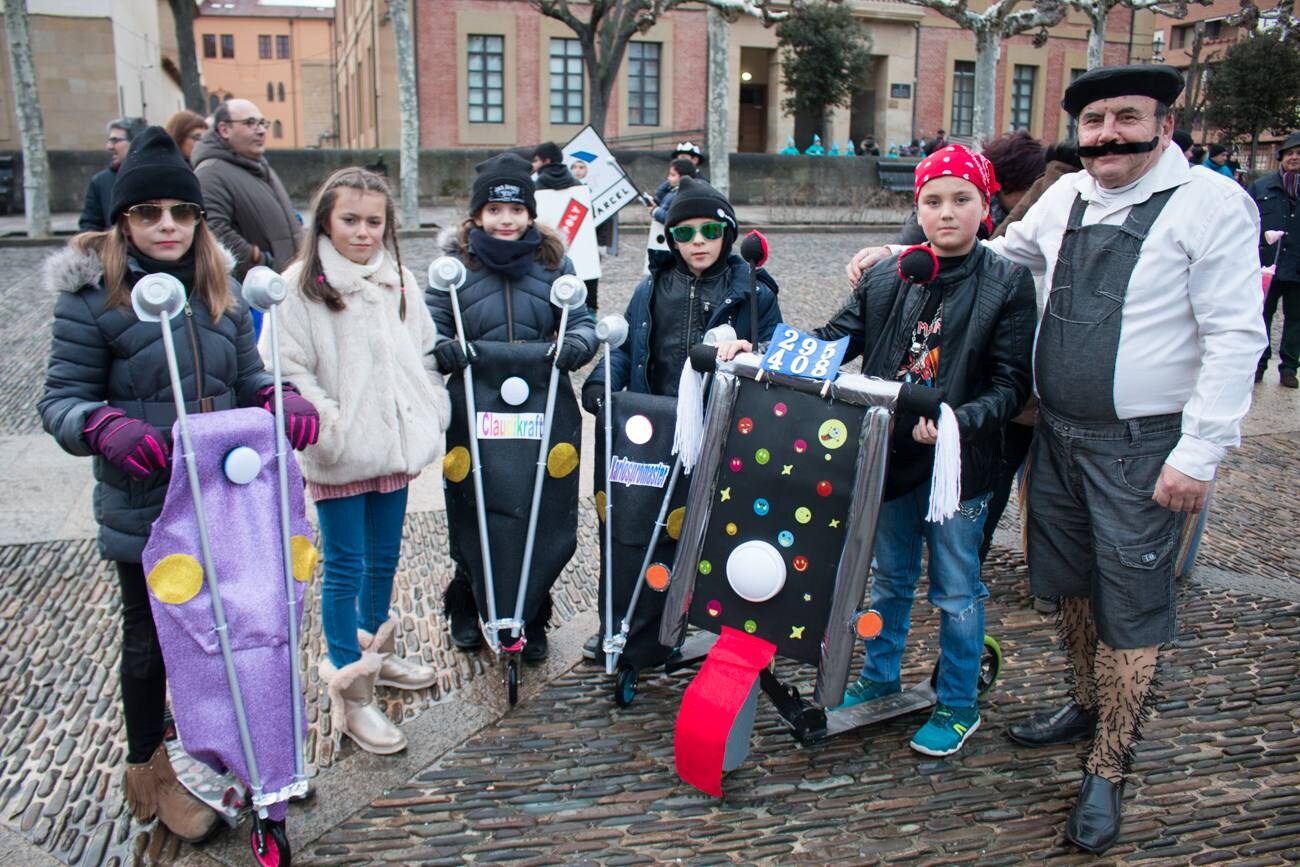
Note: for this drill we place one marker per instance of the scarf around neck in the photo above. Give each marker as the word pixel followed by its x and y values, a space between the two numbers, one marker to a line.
pixel 511 258
pixel 1291 183
pixel 182 269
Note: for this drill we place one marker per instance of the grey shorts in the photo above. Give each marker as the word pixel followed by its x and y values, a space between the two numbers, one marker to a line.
pixel 1093 529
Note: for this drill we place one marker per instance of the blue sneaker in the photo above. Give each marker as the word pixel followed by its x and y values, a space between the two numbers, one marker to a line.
pixel 947 730
pixel 863 689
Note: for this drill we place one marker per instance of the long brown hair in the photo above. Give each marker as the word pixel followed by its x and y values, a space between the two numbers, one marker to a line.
pixel 312 281
pixel 550 253
pixel 211 271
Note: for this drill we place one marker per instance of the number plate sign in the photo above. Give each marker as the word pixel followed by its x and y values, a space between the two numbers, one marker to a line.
pixel 794 353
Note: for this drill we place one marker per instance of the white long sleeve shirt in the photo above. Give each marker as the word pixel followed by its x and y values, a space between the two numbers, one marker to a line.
pixel 1192 328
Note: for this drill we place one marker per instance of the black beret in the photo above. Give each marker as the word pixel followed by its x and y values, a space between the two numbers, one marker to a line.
pixel 1161 83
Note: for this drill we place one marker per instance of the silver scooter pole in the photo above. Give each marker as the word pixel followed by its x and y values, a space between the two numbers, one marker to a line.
pixel 448 274
pixel 265 289
pixel 614 646
pixel 568 293
pixel 611 331
pixel 158 298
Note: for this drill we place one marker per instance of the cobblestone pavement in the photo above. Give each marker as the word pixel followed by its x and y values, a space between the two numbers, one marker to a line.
pixel 567 777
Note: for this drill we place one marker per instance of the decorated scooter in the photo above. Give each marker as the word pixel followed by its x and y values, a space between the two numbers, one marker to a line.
pixel 520 414
pixel 226 604
pixel 783 510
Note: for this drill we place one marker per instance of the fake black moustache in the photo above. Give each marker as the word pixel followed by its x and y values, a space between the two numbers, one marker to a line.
pixel 1119 147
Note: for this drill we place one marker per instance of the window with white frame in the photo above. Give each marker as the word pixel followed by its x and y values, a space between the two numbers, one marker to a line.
pixel 566 81
pixel 1022 96
pixel 485 65
pixel 963 98
pixel 643 83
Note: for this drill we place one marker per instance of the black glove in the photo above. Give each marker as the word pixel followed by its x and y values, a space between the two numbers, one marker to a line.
pixel 573 354
pixel 451 357
pixel 593 397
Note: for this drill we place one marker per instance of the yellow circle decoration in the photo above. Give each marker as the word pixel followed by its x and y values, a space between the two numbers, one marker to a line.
pixel 562 460
pixel 600 506
pixel 455 466
pixel 305 557
pixel 675 519
pixel 176 578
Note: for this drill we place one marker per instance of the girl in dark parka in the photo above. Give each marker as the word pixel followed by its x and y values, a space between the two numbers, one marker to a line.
pixel 108 394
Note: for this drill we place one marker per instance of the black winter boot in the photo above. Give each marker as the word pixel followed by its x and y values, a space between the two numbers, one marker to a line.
pixel 462 613
pixel 537 647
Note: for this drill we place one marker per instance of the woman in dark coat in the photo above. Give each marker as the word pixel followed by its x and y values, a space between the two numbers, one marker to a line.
pixel 108 394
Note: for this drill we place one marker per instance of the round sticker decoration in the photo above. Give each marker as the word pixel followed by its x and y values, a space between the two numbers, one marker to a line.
pixel 803 514
pixel 714 608
pixel 705 567
pixel 732 529
pixel 639 429
pixel 762 456
pixel 823 488
pixel 761 507
pixel 745 425
pixel 833 433
pixel 785 538
pixel 751 627
pixel 800 446
pixel 800 563
pixel 780 409
pixel 514 391
pixel 737 465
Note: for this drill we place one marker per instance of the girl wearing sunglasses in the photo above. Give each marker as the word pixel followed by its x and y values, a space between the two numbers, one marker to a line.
pixel 700 285
pixel 108 394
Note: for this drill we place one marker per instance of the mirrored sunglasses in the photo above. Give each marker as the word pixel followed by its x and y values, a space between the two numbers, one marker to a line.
pixel 183 214
pixel 708 231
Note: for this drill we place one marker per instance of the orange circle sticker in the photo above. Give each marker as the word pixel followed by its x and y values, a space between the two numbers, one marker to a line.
pixel 657 576
pixel 869 624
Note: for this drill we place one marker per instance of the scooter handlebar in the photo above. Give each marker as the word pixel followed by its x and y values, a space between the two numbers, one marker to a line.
pixel 447 273
pixel 920 400
pixel 704 358
pixel 156 297
pixel 264 288
pixel 612 329
pixel 568 291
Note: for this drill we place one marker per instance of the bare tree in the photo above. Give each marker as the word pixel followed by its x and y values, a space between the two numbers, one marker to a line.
pixel 1197 64
pixel 191 85
pixel 1098 10
pixel 409 113
pixel 719 99
pixel 31 126
pixel 1000 21
pixel 610 24
pixel 1278 21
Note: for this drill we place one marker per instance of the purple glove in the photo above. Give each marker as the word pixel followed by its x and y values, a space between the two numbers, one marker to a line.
pixel 135 447
pixel 301 420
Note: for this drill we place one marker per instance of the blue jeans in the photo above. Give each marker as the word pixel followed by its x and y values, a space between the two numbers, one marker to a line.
pixel 955 589
pixel 362 537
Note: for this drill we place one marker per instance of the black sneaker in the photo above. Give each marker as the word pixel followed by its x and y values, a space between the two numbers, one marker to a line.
pixel 462 614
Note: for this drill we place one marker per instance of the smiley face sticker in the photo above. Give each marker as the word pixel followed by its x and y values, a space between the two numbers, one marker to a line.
pixel 803 514
pixel 833 433
pixel 779 410
pixel 745 425
pixel 800 563
pixel 762 456
pixel 762 507
pixel 785 538
pixel 800 446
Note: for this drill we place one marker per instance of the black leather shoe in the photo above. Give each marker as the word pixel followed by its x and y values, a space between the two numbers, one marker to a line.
pixel 1065 725
pixel 458 604
pixel 537 648
pixel 1095 820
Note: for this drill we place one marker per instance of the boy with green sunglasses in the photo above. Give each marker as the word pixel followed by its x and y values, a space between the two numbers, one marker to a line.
pixel 700 285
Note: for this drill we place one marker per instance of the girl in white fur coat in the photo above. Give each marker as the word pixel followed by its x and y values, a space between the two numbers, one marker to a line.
pixel 357 348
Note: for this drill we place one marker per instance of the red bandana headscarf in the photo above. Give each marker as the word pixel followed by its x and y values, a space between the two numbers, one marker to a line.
pixel 958 161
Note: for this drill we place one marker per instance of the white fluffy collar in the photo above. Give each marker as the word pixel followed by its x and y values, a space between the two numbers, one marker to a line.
pixel 347 276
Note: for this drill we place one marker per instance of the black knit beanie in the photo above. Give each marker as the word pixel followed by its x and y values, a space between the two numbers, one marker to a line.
pixel 549 151
pixel 504 178
pixel 697 198
pixel 154 169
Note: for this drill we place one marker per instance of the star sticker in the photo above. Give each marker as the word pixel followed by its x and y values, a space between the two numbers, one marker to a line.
pixel 726 495
pixel 786 469
pixel 807 597
pixel 835 522
pixel 797 631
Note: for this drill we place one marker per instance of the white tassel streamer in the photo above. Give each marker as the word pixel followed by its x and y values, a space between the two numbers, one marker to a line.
pixel 945 482
pixel 688 434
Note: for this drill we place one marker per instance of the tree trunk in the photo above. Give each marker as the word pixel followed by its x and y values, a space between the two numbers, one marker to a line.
pixel 1097 37
pixel 31 127
pixel 191 84
pixel 988 48
pixel 409 113
pixel 719 101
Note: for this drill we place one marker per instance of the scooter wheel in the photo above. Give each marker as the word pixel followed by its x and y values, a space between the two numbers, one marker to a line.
pixel 271 846
pixel 625 686
pixel 512 681
pixel 990 664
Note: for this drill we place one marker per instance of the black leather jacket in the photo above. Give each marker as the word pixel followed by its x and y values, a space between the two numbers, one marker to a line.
pixel 985 368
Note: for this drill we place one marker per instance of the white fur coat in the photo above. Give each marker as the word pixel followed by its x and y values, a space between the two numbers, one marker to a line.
pixel 383 408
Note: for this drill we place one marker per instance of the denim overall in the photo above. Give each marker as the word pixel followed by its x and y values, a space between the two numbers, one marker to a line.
pixel 1094 530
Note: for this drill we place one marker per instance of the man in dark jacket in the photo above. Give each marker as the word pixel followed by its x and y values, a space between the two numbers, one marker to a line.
pixel 95 216
pixel 247 206
pixel 1275 195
